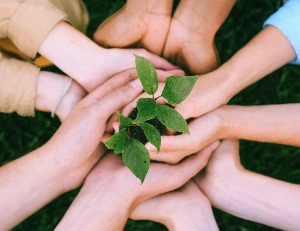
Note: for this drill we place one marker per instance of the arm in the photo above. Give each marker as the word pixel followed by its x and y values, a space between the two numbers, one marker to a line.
pixel 111 191
pixel 249 195
pixel 85 61
pixel 270 123
pixel 254 61
pixel 30 182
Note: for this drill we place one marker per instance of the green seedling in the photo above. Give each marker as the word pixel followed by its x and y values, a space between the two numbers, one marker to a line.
pixel 176 89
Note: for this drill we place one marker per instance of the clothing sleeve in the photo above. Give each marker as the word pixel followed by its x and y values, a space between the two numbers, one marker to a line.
pixel 27 22
pixel 287 20
pixel 18 83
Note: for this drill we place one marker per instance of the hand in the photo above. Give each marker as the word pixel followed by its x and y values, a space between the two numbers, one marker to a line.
pixel 148 24
pixel 83 128
pixel 210 92
pixel 111 190
pixel 246 194
pixel 202 131
pixel 186 208
pixel 223 167
pixel 96 64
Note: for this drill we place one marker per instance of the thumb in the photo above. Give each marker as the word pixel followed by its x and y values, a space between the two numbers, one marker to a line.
pixel 118 98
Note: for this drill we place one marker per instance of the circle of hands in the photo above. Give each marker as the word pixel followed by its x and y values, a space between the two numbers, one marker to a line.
pixel 192 171
pixel 174 182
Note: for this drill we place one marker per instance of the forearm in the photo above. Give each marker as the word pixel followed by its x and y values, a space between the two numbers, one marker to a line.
pixel 97 208
pixel 27 184
pixel 261 199
pixel 75 54
pixel 266 52
pixel 50 88
pixel 270 123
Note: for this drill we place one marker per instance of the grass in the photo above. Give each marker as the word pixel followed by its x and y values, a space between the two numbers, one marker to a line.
pixel 19 135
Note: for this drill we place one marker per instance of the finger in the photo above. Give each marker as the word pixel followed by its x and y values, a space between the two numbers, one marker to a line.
pixel 188 168
pixel 163 75
pixel 109 126
pixel 117 99
pixel 157 61
pixel 175 143
pixel 105 137
pixel 116 81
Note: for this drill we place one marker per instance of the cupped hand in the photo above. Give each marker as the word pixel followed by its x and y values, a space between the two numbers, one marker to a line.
pixel 111 173
pixel 81 132
pixel 203 131
pixel 184 208
pixel 136 25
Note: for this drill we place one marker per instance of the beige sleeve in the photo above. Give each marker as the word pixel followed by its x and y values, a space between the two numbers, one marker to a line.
pixel 27 22
pixel 18 83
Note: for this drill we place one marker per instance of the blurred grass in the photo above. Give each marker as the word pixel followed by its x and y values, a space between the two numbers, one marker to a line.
pixel 19 135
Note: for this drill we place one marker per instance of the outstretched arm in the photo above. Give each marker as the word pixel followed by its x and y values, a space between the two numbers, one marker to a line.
pixel 269 123
pixel 30 182
pixel 85 61
pixel 254 61
pixel 249 195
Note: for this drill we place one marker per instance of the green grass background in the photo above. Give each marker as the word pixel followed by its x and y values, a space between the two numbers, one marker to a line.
pixel 20 135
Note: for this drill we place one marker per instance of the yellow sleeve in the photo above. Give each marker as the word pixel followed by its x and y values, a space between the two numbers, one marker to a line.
pixel 27 22
pixel 18 83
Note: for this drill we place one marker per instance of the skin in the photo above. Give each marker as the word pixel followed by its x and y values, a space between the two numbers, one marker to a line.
pixel 148 24
pixel 112 191
pixel 186 208
pixel 186 38
pixel 88 63
pixel 30 182
pixel 246 194
pixel 250 64
pixel 50 86
pixel 190 41
pixel 256 123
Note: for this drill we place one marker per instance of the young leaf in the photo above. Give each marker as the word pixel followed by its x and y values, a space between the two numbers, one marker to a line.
pixel 117 142
pixel 136 158
pixel 171 119
pixel 125 122
pixel 177 88
pixel 152 134
pixel 147 74
pixel 147 109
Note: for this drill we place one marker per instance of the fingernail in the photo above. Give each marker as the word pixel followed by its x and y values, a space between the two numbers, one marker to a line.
pixel 136 84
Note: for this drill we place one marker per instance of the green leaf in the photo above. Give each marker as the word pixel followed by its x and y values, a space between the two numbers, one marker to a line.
pixel 147 74
pixel 125 122
pixel 152 134
pixel 136 158
pixel 117 142
pixel 177 88
pixel 172 119
pixel 147 109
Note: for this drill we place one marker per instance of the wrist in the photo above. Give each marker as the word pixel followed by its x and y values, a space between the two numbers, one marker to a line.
pixel 49 89
pixel 228 77
pixel 82 58
pixel 226 122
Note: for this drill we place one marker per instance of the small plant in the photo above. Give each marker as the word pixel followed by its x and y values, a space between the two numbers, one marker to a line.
pixel 134 154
